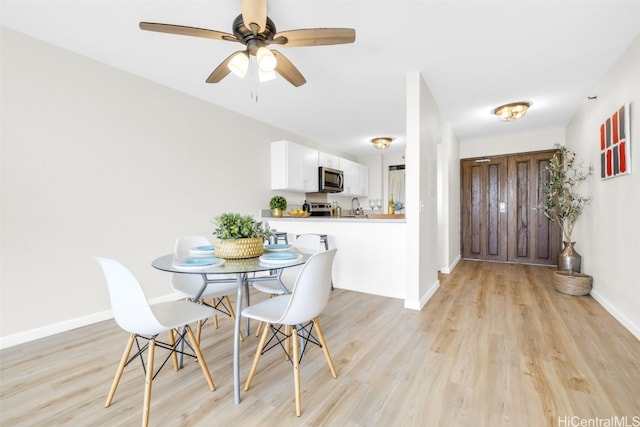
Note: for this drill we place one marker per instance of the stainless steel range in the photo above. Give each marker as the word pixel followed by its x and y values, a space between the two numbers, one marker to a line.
pixel 320 209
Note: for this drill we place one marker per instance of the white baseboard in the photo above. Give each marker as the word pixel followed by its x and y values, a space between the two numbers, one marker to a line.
pixel 53 329
pixel 448 270
pixel 628 324
pixel 417 305
pixel 66 325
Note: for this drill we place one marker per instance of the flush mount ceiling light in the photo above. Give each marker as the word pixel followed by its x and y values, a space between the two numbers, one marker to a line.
pixel 381 142
pixel 511 112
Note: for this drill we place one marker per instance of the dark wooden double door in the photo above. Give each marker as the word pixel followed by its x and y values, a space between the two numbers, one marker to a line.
pixel 499 219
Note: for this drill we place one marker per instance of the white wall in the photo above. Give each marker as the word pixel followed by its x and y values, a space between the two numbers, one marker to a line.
pixel 98 162
pixel 421 186
pixel 543 139
pixel 448 200
pixel 608 232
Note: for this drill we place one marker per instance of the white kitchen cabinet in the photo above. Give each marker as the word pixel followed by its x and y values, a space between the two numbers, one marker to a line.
pixel 350 178
pixel 363 179
pixel 329 160
pixel 294 167
pixel 356 178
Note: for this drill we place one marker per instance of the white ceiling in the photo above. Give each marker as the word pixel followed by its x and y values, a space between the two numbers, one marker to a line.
pixel 473 55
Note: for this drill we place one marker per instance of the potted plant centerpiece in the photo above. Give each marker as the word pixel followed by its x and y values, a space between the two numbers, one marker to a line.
pixel 278 204
pixel 240 236
pixel 564 205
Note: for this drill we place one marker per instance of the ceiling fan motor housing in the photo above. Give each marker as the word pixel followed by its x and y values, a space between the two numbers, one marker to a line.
pixel 253 41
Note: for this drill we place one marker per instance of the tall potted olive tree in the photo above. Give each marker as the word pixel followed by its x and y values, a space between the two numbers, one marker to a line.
pixel 563 205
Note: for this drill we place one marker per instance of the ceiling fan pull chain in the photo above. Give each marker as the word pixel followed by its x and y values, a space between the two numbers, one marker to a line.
pixel 255 84
pixel 254 93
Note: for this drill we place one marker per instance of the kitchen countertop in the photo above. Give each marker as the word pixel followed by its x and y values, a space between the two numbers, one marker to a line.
pixel 359 219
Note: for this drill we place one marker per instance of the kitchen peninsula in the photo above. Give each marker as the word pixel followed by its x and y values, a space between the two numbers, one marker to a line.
pixel 371 255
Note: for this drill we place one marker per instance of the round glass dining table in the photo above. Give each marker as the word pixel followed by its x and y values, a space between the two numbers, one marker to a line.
pixel 240 268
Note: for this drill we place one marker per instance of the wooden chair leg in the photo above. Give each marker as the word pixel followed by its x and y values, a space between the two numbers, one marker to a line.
pixel 199 330
pixel 200 323
pixel 287 342
pixel 201 361
pixel 123 362
pixel 296 372
pixel 325 349
pixel 256 358
pixel 147 386
pixel 174 355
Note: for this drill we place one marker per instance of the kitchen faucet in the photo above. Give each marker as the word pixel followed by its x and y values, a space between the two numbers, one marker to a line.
pixel 358 210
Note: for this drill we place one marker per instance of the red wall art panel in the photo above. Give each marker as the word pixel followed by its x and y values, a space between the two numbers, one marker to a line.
pixel 615 144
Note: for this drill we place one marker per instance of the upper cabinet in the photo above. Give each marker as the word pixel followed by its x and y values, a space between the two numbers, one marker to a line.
pixel 356 178
pixel 329 160
pixel 294 167
pixel 363 180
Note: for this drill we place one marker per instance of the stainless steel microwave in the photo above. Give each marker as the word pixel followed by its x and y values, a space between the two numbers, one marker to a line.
pixel 330 180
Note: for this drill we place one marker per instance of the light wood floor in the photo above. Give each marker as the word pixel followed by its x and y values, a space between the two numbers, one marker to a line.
pixel 495 346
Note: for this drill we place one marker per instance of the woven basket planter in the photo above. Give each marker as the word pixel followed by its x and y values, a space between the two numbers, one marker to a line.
pixel 239 248
pixel 572 284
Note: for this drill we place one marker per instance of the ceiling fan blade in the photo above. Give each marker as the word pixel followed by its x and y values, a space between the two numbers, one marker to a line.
pixel 254 12
pixel 315 37
pixel 287 70
pixel 187 31
pixel 221 70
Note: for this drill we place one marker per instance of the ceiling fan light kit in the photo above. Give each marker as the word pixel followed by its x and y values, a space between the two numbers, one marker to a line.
pixel 382 142
pixel 254 29
pixel 266 60
pixel 265 76
pixel 512 111
pixel 239 64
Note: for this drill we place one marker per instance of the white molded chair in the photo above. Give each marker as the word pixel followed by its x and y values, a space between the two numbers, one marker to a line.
pixel 133 313
pixel 188 285
pixel 305 243
pixel 297 310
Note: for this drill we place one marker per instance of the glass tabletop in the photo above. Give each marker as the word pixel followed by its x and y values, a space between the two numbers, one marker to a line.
pixel 230 266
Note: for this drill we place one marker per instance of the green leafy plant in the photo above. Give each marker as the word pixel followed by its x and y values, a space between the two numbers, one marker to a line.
pixel 278 202
pixel 236 226
pixel 564 203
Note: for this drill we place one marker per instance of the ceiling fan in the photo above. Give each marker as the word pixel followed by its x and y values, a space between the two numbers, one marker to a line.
pixel 254 29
